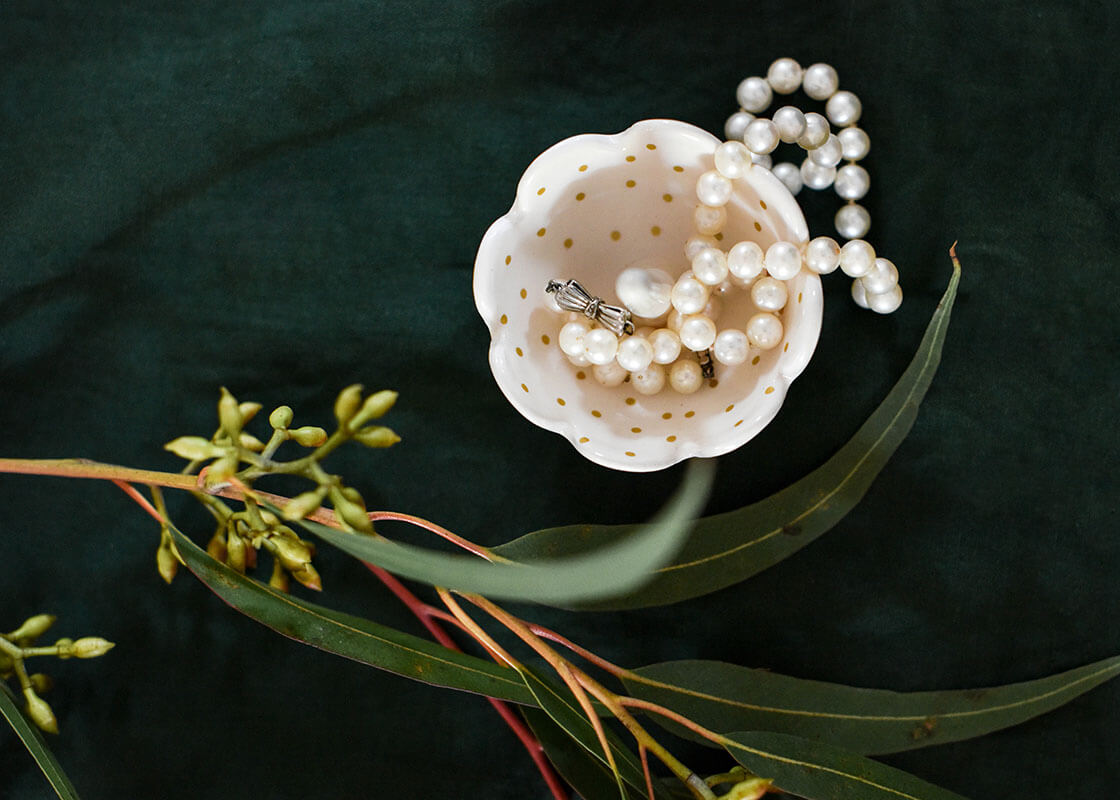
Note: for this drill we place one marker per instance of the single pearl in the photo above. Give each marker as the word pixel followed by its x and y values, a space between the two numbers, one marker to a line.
pixel 736 124
pixel 769 294
pixel 600 346
pixel 713 189
pixel 733 159
pixel 709 220
pixel 609 375
pixel 859 294
pixel 650 380
pixel 882 277
pixel 822 255
pixel 852 181
pixel 886 302
pixel 784 76
pixel 689 295
pixel 723 290
pixel 783 260
pixel 854 142
pixel 829 153
pixel 744 261
pixel 571 337
pixel 697 332
pixel 578 361
pixel 710 266
pixel 674 320
pixel 634 353
pixel 764 330
pixel 762 160
pixel 820 81
pixel 644 291
pixel 731 347
pixel 761 136
pixel 790 175
pixel 685 376
pixel 697 243
pixel 815 176
pixel 790 123
pixel 816 131
pixel 852 221
pixel 753 94
pixel 666 345
pixel 714 306
pixel 856 258
pixel 843 108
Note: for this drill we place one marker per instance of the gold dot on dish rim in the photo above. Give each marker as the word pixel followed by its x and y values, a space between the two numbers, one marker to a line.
pixel 567 243
pixel 756 359
pixel 583 440
pixel 786 348
pixel 670 438
pixel 615 235
pixel 799 297
pixel 631 158
pixel 718 237
pixel 580 196
pixel 758 227
pixel 630 184
pixel 667 415
pixel 544 338
pixel 540 191
pixel 541 232
pixel 763 204
pixel 526 388
pixel 769 390
pixel 690 413
pixel 635 430
pixel 655 230
pixel 668 198
pixel 560 400
pixel 583 168
pixel 519 351
pixel 714 382
pixel 728 409
pixel 581 375
pixel 629 454
pixel 509 259
pixel 737 424
pixel 595 413
pixel 524 294
pixel 630 401
pixel 504 319
pixel 651 147
pixel 678 169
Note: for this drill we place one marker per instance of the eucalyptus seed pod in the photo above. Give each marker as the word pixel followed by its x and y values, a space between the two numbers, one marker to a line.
pixel 166 562
pixel 235 552
pixel 281 417
pixel 376 436
pixel 292 553
pixel 375 406
pixel 41 683
pixel 309 435
pixel 308 577
pixel 193 448
pixel 279 579
pixel 347 403
pixel 32 628
pixel 248 410
pixel 91 647
pixel 40 711
pixel 229 414
pixel 65 648
pixel 303 505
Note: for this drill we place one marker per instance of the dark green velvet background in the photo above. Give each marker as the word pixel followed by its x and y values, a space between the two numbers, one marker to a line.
pixel 286 197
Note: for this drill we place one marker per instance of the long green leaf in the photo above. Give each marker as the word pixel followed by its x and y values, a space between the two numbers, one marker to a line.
pixel 35 744
pixel 727 548
pixel 818 771
pixel 613 569
pixel 564 710
pixel 352 637
pixel 725 697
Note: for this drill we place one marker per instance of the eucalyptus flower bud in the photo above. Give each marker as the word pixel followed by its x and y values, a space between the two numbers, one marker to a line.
pixel 250 442
pixel 229 414
pixel 376 436
pixel 279 579
pixel 347 404
pixel 33 627
pixel 40 711
pixel 309 435
pixel 307 576
pixel 91 647
pixel 750 789
pixel 375 406
pixel 216 547
pixel 351 511
pixel 41 683
pixel 193 448
pixel 303 505
pixel 235 552
pixel 292 553
pixel 281 417
pixel 65 648
pixel 248 410
pixel 166 562
pixel 222 470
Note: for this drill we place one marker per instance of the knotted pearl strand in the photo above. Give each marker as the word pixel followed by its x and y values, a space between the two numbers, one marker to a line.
pixel 819 169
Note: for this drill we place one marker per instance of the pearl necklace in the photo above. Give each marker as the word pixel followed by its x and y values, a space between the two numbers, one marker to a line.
pixel 651 357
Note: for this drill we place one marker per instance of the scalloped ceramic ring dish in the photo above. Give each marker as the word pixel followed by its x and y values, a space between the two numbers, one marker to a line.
pixel 588 208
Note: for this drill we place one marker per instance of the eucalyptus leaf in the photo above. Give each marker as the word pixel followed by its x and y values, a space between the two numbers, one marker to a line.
pixel 725 697
pixel 818 771
pixel 725 549
pixel 616 568
pixel 35 744
pixel 563 708
pixel 349 636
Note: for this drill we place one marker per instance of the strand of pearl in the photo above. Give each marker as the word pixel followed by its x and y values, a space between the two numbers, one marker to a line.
pixel 824 151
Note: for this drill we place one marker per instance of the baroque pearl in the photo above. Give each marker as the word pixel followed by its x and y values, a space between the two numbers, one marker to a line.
pixel 764 330
pixel 610 374
pixel 600 346
pixel 790 175
pixel 710 266
pixel 769 294
pixel 744 260
pixel 784 76
pixel 689 296
pixel 856 258
pixel 843 108
pixel 854 142
pixel 852 221
pixel 822 255
pixel 820 81
pixel 709 220
pixel 761 136
pixel 736 124
pixel 783 260
pixel 882 277
pixel 713 189
pixel 753 94
pixel 816 131
pixel 644 291
pixel 571 337
pixel 697 332
pixel 815 176
pixel 650 380
pixel 666 345
pixel 790 123
pixel 731 347
pixel 685 376
pixel 733 159
pixel 852 181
